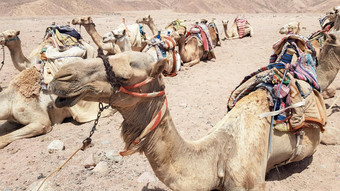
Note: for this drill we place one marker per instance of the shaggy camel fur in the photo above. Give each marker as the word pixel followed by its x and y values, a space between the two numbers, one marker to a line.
pixel 234 156
pixel 291 28
pixel 29 112
pixel 90 27
pixel 192 51
pixel 233 33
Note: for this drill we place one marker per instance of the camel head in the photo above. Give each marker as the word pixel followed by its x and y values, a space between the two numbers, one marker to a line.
pixel 114 35
pixel 292 27
pixel 86 20
pixel 8 36
pixel 225 23
pixel 332 42
pixel 145 20
pixel 90 79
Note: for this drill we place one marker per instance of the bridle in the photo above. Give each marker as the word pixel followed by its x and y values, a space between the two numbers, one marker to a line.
pixel 127 90
pixel 3 50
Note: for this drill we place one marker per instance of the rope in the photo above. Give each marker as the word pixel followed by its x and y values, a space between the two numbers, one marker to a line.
pixel 333 103
pixel 3 57
pixel 59 168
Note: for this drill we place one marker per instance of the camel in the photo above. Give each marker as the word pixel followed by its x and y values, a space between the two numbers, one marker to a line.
pixel 28 110
pixel 291 27
pixel 234 33
pixel 176 27
pixel 215 38
pixel 10 38
pixel 192 51
pixel 329 61
pixel 89 26
pixel 120 38
pixel 82 112
pixel 148 20
pixel 233 156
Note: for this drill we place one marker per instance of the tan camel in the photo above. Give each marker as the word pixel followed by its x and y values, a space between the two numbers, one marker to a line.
pixel 192 51
pixel 329 60
pixel 119 38
pixel 233 33
pixel 90 27
pixel 234 156
pixel 29 112
pixel 10 38
pixel 148 20
pixel 82 112
pixel 176 27
pixel 213 31
pixel 291 27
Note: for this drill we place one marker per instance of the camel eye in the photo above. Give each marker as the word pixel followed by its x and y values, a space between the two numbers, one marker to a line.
pixel 122 79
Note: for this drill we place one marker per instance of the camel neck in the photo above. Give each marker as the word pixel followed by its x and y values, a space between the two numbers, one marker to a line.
pixel 328 66
pixel 153 27
pixel 98 39
pixel 6 97
pixel 19 60
pixel 182 49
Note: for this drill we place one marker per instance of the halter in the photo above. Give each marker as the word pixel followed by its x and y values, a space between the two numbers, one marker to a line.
pixel 126 89
pixel 3 50
pixel 155 120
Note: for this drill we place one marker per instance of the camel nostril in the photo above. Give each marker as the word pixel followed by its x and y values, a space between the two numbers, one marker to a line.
pixel 65 77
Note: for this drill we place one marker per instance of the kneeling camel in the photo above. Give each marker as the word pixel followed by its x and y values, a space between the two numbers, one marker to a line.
pixel 234 156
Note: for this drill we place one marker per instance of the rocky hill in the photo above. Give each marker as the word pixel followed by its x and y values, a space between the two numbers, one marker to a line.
pixel 24 8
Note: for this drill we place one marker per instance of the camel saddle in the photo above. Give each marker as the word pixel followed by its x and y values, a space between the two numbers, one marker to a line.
pixel 290 80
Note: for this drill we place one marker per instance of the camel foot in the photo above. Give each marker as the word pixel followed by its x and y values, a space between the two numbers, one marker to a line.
pixel 328 93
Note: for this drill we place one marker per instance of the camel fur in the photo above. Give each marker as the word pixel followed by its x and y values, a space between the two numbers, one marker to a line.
pixel 29 112
pixel 82 112
pixel 233 33
pixel 233 156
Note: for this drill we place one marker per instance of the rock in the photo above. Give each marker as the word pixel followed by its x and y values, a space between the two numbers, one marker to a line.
pixel 102 166
pixel 55 145
pixel 90 162
pixel 112 155
pixel 146 177
pixel 47 186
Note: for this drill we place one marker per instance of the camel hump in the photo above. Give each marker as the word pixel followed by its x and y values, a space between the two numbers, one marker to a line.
pixel 28 82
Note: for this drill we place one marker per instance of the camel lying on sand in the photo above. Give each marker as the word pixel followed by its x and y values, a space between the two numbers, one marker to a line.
pixel 10 38
pixel 234 32
pixel 290 28
pixel 177 27
pixel 213 30
pixel 90 27
pixel 15 109
pixel 239 159
pixel 24 104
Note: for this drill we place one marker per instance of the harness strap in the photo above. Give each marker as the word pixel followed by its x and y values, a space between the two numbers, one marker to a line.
pixel 125 89
pixel 150 127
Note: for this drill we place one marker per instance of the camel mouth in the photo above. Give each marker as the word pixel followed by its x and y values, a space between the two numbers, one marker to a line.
pixel 67 101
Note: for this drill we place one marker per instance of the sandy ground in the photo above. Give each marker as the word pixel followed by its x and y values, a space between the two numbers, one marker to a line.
pixel 197 101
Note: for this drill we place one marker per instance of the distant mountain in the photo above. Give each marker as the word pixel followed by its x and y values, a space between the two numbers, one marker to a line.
pixel 81 7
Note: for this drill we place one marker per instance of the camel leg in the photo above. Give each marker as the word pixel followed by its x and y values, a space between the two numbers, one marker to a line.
pixel 191 63
pixel 30 130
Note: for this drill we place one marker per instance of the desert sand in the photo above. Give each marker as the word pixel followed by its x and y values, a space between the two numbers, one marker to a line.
pixel 197 101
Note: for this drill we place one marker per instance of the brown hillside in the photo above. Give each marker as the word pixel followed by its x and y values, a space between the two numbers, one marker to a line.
pixel 79 7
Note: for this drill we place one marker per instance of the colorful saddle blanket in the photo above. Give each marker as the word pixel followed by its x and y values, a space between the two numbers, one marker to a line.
pixel 291 82
pixel 241 25
pixel 165 47
pixel 202 31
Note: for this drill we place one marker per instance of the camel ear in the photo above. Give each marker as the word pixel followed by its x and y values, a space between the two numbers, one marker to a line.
pixel 17 33
pixel 149 16
pixel 89 19
pixel 159 67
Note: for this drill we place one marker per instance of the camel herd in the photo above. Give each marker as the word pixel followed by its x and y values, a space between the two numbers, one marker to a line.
pixel 131 81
